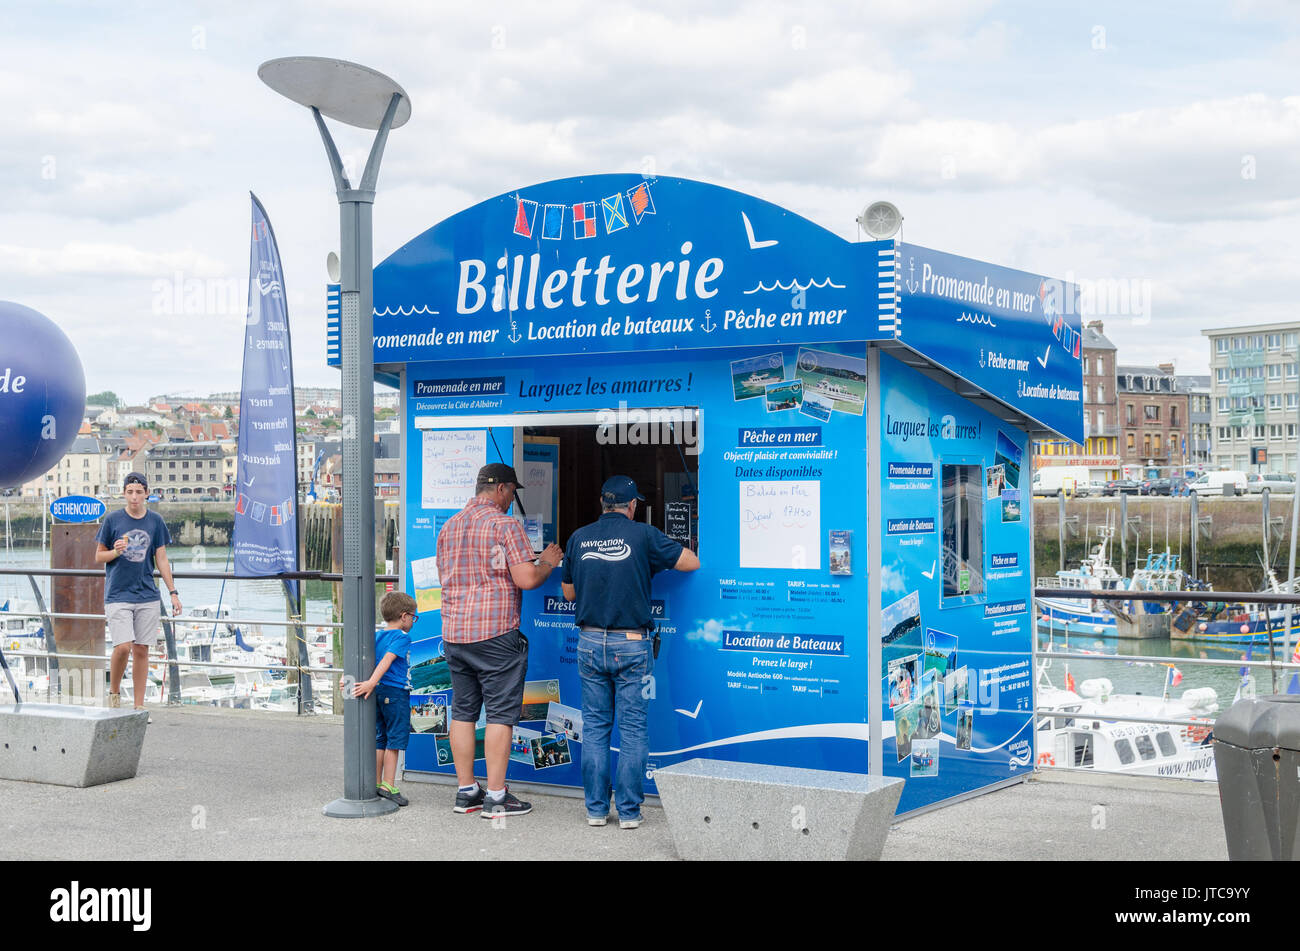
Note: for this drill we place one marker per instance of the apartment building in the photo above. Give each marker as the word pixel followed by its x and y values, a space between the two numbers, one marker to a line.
pixel 1254 395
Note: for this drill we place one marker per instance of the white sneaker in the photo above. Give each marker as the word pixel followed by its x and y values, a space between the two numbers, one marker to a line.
pixel 629 823
pixel 596 820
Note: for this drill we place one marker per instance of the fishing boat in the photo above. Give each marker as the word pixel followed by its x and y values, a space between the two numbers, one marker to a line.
pixel 1237 622
pixel 836 391
pixel 756 381
pixel 1076 733
pixel 1082 615
pixel 20 626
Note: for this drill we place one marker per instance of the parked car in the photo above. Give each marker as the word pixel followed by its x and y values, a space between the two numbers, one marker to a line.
pixel 1274 482
pixel 1154 487
pixel 1213 483
pixel 1122 487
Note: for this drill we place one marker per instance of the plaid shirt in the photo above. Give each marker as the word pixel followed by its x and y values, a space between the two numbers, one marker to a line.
pixel 476 548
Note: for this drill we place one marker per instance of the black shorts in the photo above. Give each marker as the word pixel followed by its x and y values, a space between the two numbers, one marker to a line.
pixel 488 674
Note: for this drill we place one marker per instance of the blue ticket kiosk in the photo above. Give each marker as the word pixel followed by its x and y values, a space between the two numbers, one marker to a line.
pixel 840 430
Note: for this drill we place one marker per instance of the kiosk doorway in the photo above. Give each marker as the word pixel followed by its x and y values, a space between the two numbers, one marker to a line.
pixel 564 459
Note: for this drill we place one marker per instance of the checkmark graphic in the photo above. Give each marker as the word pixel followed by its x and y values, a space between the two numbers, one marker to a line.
pixel 691 713
pixel 929 575
pixel 1042 361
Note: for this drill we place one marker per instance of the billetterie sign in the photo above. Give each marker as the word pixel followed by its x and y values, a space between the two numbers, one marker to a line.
pixel 613 263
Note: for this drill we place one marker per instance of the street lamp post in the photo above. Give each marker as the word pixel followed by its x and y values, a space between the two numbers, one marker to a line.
pixel 358 96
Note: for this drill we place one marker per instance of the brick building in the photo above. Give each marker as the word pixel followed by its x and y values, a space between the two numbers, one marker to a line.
pixel 1154 416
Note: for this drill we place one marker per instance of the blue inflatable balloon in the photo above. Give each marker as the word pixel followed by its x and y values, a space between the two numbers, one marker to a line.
pixel 42 394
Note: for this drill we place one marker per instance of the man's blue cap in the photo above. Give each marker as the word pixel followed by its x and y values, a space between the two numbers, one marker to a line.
pixel 619 490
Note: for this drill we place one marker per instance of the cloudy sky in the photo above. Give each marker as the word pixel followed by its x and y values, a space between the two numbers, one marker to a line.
pixel 1157 145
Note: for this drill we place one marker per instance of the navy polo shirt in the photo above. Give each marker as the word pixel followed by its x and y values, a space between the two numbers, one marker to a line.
pixel 610 562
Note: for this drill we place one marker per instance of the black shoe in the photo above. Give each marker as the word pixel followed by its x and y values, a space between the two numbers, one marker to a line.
pixel 470 802
pixel 385 793
pixel 509 806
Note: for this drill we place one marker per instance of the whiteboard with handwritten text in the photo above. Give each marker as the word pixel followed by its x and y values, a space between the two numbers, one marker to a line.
pixel 780 525
pixel 451 461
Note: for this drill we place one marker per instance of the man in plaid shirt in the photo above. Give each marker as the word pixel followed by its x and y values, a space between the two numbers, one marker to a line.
pixel 484 561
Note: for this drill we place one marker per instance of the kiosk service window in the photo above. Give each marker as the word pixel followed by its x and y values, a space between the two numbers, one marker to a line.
pixel 962 507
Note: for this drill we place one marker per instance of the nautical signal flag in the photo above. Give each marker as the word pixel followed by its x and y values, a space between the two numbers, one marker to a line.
pixel 241 504
pixel 1077 341
pixel 615 216
pixel 553 222
pixel 525 217
pixel 259 512
pixel 584 219
pixel 640 200
pixel 275 515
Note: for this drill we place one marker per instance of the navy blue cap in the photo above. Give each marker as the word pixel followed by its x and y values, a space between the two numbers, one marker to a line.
pixel 619 490
pixel 135 477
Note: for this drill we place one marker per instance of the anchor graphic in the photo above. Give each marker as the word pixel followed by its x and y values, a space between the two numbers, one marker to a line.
pixel 981 359
pixel 709 325
pixel 911 274
pixel 515 336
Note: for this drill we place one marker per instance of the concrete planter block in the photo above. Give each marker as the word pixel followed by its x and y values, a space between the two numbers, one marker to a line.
pixel 69 745
pixel 723 810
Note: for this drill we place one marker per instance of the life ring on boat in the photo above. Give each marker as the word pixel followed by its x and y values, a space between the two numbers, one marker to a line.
pixel 1046 759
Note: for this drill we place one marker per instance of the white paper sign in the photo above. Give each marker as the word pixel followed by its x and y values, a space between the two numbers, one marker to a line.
pixel 537 489
pixel 780 525
pixel 450 464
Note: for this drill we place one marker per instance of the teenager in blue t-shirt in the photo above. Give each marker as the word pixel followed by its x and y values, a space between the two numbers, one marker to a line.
pixel 392 692
pixel 130 542
pixel 607 570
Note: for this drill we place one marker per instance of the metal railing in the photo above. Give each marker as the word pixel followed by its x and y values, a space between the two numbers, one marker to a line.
pixel 1273 664
pixel 169 660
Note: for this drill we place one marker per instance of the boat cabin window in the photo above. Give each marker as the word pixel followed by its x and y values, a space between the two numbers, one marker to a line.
pixel 1146 749
pixel 963 531
pixel 1082 749
pixel 1124 750
pixel 1166 744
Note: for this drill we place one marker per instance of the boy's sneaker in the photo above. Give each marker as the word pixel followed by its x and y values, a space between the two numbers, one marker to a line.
pixel 470 802
pixel 597 820
pixel 629 823
pixel 384 791
pixel 509 806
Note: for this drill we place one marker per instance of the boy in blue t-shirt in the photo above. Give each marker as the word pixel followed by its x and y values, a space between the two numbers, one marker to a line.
pixel 389 685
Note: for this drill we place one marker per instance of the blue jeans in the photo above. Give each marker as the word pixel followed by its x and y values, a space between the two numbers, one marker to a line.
pixel 615 676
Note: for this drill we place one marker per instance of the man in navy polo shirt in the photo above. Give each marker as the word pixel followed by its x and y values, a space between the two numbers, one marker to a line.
pixel 607 570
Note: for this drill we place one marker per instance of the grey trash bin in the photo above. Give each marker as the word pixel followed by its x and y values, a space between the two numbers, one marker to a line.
pixel 1257 757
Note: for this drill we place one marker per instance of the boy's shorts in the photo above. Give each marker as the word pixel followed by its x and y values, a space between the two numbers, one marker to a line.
pixel 392 717
pixel 130 623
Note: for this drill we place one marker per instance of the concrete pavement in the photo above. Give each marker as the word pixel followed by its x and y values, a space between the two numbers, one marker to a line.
pixel 233 784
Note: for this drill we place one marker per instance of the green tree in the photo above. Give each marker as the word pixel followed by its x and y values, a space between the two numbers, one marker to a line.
pixel 107 397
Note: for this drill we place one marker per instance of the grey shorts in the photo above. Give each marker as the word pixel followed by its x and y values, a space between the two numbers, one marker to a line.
pixel 136 623
pixel 488 674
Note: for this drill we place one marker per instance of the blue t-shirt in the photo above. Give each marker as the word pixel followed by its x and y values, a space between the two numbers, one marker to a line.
pixel 393 640
pixel 610 563
pixel 128 578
